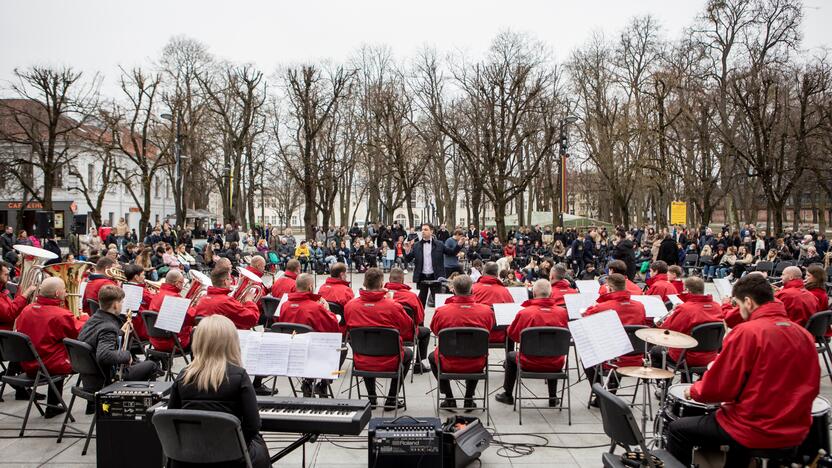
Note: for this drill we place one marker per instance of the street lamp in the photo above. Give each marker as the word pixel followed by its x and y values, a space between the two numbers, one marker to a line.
pixel 564 147
pixel 177 148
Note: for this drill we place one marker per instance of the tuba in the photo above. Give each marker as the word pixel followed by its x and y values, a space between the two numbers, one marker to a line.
pixel 72 273
pixel 198 288
pixel 248 280
pixel 32 260
pixel 153 286
pixel 116 274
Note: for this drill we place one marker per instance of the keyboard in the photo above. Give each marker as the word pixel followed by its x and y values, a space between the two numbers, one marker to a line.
pixel 313 415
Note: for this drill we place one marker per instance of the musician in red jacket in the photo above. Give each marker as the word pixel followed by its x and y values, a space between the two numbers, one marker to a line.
pixel 135 277
pixel 657 284
pixel 766 378
pixel 403 295
pixel 618 266
pixel 286 283
pixel 538 312
pixel 674 277
pixel 336 288
pixel 800 303
pixel 373 308
pixel 10 309
pixel 243 313
pixel 460 310
pixel 47 323
pixel 560 286
pixel 96 280
pixel 698 308
pixel 630 312
pixel 489 290
pixel 258 267
pixel 174 282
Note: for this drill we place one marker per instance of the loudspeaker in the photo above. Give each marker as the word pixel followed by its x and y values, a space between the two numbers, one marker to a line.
pixel 79 224
pixel 44 224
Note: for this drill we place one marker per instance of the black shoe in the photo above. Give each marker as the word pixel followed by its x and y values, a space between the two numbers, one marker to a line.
pixel 504 398
pixel 554 402
pixel 373 401
pixel 392 404
pixel 447 403
pixel 469 406
pixel 306 389
pixel 24 395
pixel 52 412
pixel 322 390
pixel 594 403
pixel 262 390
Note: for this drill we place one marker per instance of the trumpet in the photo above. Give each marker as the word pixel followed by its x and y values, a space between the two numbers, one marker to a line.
pixel 115 274
pixel 72 273
pixel 31 264
pixel 248 281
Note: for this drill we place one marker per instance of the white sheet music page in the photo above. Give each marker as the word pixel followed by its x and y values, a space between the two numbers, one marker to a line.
pixel 588 286
pixel 576 304
pixel 519 293
pixel 653 305
pixel 172 313
pixel 505 313
pixel 273 355
pixel 599 338
pixel 283 300
pixel 132 298
pixel 440 299
pixel 723 288
pixel 298 352
pixel 249 346
pixel 674 299
pixel 323 356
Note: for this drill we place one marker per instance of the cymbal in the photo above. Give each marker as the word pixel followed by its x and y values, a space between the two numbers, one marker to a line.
pixel 645 372
pixel 668 338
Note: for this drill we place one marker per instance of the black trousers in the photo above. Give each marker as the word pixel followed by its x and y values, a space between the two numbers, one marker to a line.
pixel 445 385
pixel 703 431
pixel 510 365
pixel 424 289
pixel 424 340
pixel 370 383
pixel 656 360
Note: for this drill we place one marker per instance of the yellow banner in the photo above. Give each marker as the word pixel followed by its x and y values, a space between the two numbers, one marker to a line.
pixel 679 213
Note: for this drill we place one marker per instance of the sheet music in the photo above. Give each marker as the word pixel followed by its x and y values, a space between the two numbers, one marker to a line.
pixel 588 286
pixel 723 288
pixel 440 299
pixel 273 355
pixel 172 313
pixel 283 299
pixel 298 352
pixel 249 347
pixel 505 313
pixel 475 275
pixel 519 293
pixel 81 289
pixel 132 298
pixel 324 355
pixel 674 299
pixel 653 305
pixel 576 304
pixel 599 338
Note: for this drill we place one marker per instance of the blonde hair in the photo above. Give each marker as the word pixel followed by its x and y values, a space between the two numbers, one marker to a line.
pixel 215 345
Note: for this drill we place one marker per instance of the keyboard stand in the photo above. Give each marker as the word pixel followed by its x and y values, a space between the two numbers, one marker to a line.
pixel 311 438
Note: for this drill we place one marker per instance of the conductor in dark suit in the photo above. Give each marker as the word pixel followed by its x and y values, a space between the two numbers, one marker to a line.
pixel 428 254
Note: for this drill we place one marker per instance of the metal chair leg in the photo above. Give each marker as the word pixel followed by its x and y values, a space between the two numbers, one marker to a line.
pixel 66 418
pixel 89 435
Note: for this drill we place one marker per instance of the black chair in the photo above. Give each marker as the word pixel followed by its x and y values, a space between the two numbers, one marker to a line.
pixel 414 343
pixel 12 289
pixel 622 429
pixel 709 339
pixel 289 329
pixel 691 263
pixel 545 342
pixel 765 267
pixel 93 305
pixel 18 347
pixel 778 269
pixel 378 342
pixel 338 310
pixel 270 309
pixel 82 359
pixel 818 325
pixel 149 318
pixel 191 436
pixel 464 342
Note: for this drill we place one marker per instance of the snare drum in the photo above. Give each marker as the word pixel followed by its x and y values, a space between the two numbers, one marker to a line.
pixel 818 437
pixel 677 406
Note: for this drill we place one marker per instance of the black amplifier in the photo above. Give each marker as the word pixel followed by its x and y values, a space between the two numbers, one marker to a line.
pixel 124 435
pixel 404 442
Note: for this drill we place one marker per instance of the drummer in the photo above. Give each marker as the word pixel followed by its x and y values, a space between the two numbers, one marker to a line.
pixel 698 308
pixel 767 399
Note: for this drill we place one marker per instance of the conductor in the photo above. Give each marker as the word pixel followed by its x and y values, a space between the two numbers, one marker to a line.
pixel 429 257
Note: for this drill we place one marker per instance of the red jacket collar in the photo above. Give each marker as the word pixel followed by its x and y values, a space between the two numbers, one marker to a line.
pixel 372 296
pixel 540 302
pixel 561 284
pixel 290 274
pixel 774 309
pixel 169 287
pixel 659 277
pixel 795 283
pixel 214 291
pixel 688 297
pixel 614 296
pixel 305 295
pixel 396 287
pixel 42 300
pixel 460 300
pixel 489 280
pixel 332 280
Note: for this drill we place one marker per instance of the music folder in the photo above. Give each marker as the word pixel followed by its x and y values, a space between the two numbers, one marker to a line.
pixel 599 338
pixel 306 355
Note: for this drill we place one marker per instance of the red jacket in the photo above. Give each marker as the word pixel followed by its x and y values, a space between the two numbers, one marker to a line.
pixel 800 303
pixel 138 323
pixel 823 302
pixel 284 285
pixel 679 285
pixel 633 289
pixel 489 290
pixel 166 344
pixel 217 301
pixel 766 377
pixel 560 289
pixel 263 289
pixel 10 309
pixel 304 308
pixel 462 311
pixel 403 295
pixel 539 312
pixel 374 309
pixel 96 282
pixel 696 310
pixel 336 290
pixel 47 323
pixel 630 313
pixel 660 286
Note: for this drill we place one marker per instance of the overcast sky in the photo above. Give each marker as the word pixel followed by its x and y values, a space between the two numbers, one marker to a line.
pixel 100 35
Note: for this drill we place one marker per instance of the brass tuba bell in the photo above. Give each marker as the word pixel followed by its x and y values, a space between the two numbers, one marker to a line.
pixel 72 273
pixel 33 258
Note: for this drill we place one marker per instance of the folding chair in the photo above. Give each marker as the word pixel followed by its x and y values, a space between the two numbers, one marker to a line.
pixel 82 359
pixel 545 342
pixel 778 269
pixel 18 347
pixel 704 260
pixel 338 310
pixel 289 329
pixel 690 263
pixel 191 436
pixel 765 267
pixel 149 318
pixel 709 338
pixel 638 350
pixel 463 342
pixel 414 343
pixel 377 342
pixel 269 309
pixel 621 427
pixel 818 325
